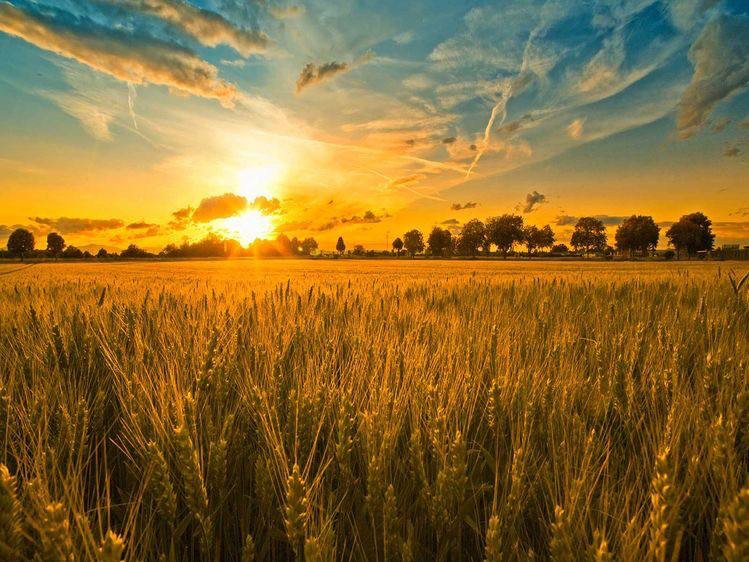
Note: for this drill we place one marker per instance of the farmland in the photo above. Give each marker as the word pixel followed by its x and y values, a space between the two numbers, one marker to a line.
pixel 373 410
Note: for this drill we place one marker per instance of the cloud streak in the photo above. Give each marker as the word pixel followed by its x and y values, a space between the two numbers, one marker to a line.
pixel 313 74
pixel 67 225
pixel 721 68
pixel 136 59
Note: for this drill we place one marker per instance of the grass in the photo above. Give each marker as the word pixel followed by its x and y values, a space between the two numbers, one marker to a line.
pixel 350 410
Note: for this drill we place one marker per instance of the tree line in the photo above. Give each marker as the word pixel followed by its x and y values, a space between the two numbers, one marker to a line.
pixel 636 235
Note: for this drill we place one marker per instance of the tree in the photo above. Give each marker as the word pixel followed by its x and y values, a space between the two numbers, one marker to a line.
pixel 359 250
pixel 504 232
pixel 472 237
pixel 589 235
pixel 545 237
pixel 692 233
pixel 55 243
pixel 559 249
pixel 308 246
pixel 637 233
pixel 398 246
pixel 440 241
pixel 413 240
pixel 20 242
pixel 71 252
pixel 340 246
pixel 133 251
pixel 102 253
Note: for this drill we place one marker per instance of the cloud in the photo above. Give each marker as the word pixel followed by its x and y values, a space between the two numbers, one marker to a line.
pixel 265 205
pixel 219 207
pixel 367 217
pixel 181 218
pixel 132 58
pixel 451 222
pixel 209 28
pixel 286 12
pixel 460 207
pixel 575 129
pixel 313 74
pixel 721 124
pixel 731 151
pixel 532 200
pixel 140 225
pixel 66 225
pixel 608 220
pixel 741 212
pixel 720 57
pixel 406 180
pixel 448 140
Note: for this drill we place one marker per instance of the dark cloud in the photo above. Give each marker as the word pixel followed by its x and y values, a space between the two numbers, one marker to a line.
pixel 265 205
pixel 532 200
pixel 569 220
pixel 140 225
pixel 460 207
pixel 313 74
pixel 449 140
pixel 181 218
pixel 132 58
pixel 219 207
pixel 367 217
pixel 453 222
pixel 721 67
pixel 209 28
pixel 152 230
pixel 731 151
pixel 741 212
pixel 66 225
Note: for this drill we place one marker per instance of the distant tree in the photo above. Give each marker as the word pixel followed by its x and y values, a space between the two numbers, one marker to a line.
pixel 359 250
pixel 692 233
pixel 284 245
pixel 413 240
pixel 87 255
pixel 133 251
pixel 530 237
pixel 102 253
pixel 340 246
pixel 308 246
pixel 589 235
pixel 398 246
pixel 472 238
pixel 439 242
pixel 637 233
pixel 20 243
pixel 55 243
pixel 71 252
pixel 504 232
pixel 668 255
pixel 559 249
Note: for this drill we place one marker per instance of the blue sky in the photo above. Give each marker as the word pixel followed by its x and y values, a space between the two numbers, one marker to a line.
pixel 363 118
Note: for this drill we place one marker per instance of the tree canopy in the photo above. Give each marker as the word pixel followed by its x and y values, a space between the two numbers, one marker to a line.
pixel 472 238
pixel 413 240
pixel 589 235
pixel 692 233
pixel 638 233
pixel 20 242
pixel 504 232
pixel 440 241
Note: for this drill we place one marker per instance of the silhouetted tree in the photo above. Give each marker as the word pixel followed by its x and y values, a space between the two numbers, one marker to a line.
pixel 133 251
pixel 398 246
pixel 71 252
pixel 439 242
pixel 55 243
pixel 546 237
pixel 102 253
pixel 504 232
pixel 559 249
pixel 358 250
pixel 589 235
pixel 472 238
pixel 692 233
pixel 20 242
pixel 413 240
pixel 309 246
pixel 530 237
pixel 637 233
pixel 340 246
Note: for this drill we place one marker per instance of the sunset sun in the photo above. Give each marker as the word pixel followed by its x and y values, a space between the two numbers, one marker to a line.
pixel 249 226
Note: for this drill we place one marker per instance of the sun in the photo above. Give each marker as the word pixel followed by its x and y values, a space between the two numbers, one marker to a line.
pixel 258 180
pixel 248 227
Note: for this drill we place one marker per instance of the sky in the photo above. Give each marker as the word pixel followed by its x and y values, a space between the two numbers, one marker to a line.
pixel 155 121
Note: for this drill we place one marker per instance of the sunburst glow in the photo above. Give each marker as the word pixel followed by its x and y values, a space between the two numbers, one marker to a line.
pixel 249 226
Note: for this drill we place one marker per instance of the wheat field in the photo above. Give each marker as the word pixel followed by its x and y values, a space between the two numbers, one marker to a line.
pixel 373 410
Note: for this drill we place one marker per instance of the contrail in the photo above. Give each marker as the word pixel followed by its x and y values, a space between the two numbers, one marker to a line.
pixel 508 89
pixel 132 93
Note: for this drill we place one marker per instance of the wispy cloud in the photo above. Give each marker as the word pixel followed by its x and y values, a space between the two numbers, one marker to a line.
pixel 67 225
pixel 721 67
pixel 210 28
pixel 133 58
pixel 313 73
pixel 462 206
